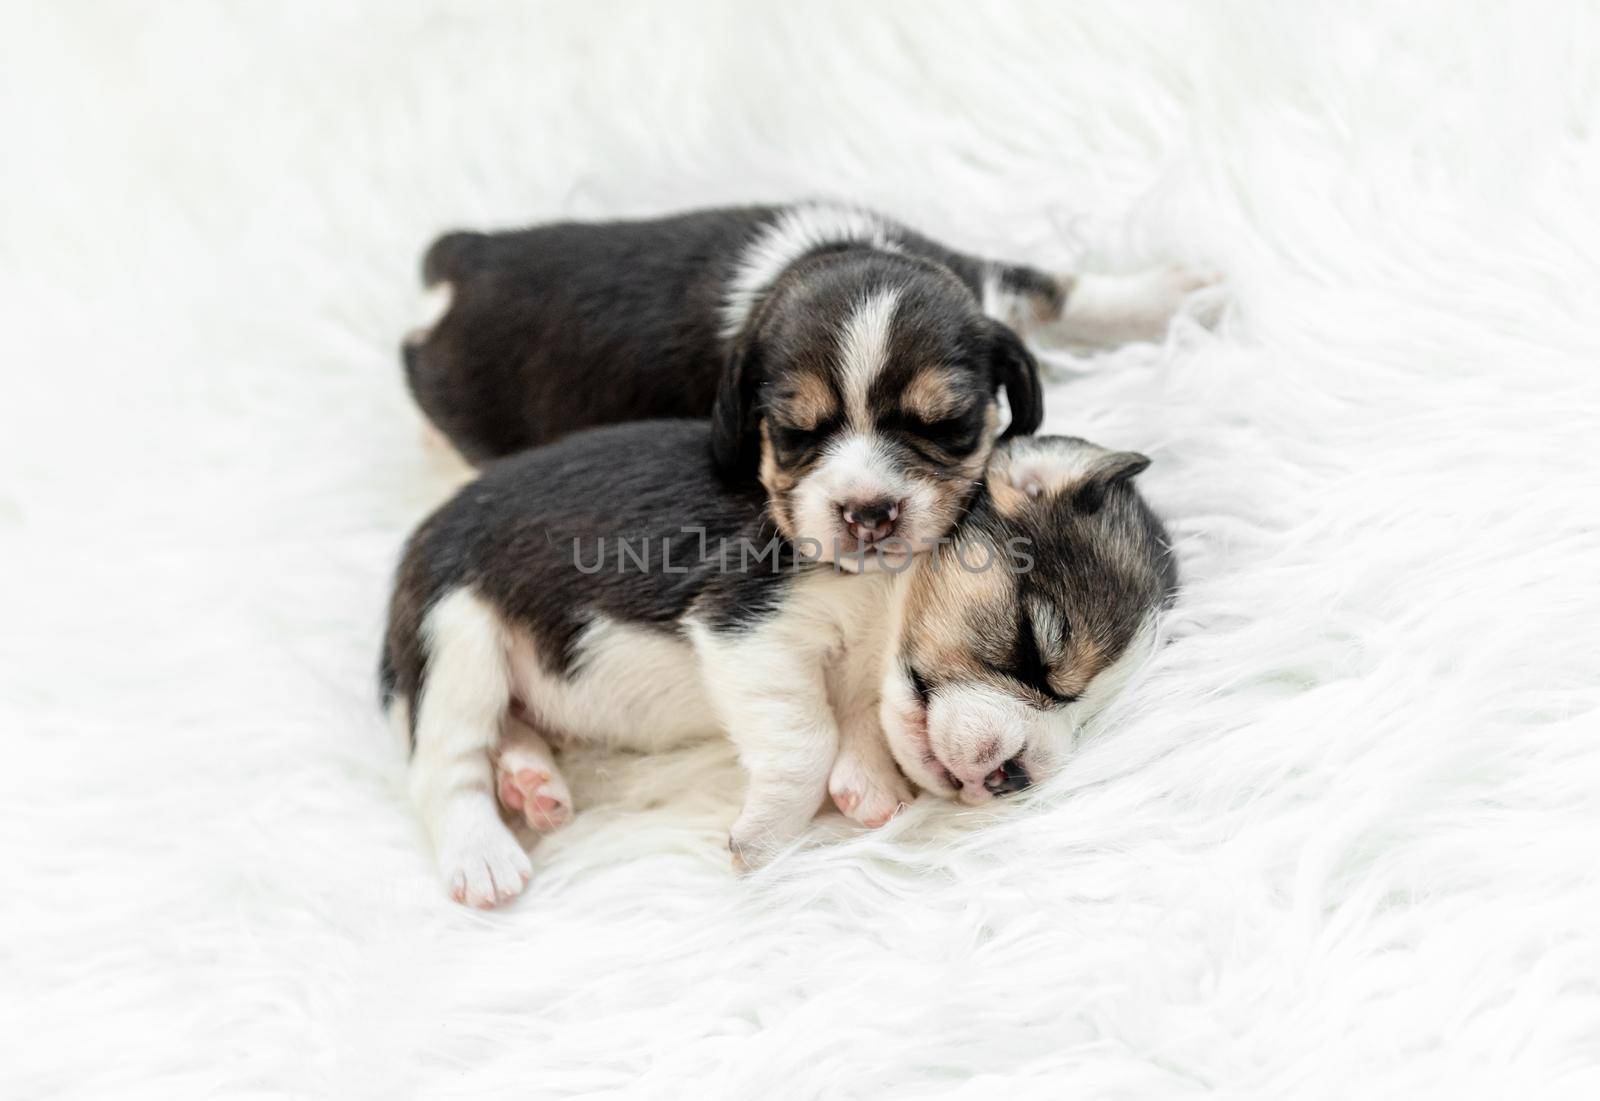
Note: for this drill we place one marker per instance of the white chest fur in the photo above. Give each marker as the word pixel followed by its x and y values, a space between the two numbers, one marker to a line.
pixel 646 689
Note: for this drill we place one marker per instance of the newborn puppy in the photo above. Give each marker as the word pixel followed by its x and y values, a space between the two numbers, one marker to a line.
pixel 850 362
pixel 993 670
pixel 612 588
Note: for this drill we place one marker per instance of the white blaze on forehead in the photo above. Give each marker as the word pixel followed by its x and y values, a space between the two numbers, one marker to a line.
pixel 795 232
pixel 863 350
pixel 1049 628
pixel 857 466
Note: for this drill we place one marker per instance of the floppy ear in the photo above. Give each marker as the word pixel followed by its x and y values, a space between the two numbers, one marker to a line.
pixel 1017 370
pixel 733 422
pixel 1058 467
pixel 1108 469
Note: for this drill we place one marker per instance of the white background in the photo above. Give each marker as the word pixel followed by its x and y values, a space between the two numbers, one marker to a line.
pixel 1341 840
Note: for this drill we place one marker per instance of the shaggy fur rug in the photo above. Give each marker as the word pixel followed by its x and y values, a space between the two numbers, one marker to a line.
pixel 1340 840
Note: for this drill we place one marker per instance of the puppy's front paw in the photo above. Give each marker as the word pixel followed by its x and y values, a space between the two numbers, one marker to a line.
pixel 749 850
pixel 867 795
pixel 483 865
pixel 753 841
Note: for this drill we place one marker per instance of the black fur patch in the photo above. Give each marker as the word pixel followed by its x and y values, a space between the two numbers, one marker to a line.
pixel 1032 283
pixel 567 326
pixel 572 325
pixel 594 524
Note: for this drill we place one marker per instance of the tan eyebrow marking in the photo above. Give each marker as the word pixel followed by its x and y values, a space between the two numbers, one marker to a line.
pixel 1085 660
pixel 932 394
pixel 807 401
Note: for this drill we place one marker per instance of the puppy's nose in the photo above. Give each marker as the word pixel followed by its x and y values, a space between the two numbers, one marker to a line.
pixel 1009 777
pixel 870 521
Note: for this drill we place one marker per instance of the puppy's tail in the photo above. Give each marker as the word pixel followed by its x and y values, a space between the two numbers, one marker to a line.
pixel 453 256
pixel 445 649
pixel 428 368
pixel 420 379
pixel 403 659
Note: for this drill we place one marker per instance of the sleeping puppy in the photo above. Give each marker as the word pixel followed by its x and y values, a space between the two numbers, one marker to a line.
pixel 851 363
pixel 611 588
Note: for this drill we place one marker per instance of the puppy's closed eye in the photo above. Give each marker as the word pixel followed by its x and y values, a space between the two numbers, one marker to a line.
pixel 1034 651
pixel 919 685
pixel 794 441
pixel 955 435
pixel 1036 683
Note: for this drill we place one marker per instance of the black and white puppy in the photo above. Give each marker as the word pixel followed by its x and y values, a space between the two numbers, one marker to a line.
pixel 850 362
pixel 611 588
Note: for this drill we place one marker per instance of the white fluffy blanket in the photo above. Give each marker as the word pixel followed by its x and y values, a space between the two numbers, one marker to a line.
pixel 1340 841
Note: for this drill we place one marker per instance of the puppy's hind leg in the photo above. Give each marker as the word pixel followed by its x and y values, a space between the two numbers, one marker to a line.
pixel 463 699
pixel 526 776
pixel 1089 309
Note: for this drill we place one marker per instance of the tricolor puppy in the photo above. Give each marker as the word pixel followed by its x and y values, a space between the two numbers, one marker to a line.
pixel 611 588
pixel 992 670
pixel 849 362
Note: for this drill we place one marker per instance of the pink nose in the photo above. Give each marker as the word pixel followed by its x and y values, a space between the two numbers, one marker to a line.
pixel 870 521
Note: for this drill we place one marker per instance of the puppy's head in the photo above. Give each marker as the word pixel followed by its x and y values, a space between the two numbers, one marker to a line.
pixel 863 394
pixel 1028 622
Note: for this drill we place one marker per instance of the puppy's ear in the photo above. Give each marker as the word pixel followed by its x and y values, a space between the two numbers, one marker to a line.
pixel 1017 370
pixel 733 421
pixel 1058 466
pixel 1109 469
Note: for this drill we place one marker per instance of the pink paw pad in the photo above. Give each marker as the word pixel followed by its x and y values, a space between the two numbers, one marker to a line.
pixel 865 799
pixel 538 798
pixel 873 821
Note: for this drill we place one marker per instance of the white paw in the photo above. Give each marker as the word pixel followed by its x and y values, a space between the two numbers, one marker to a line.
pixel 1155 297
pixel 1177 281
pixel 868 796
pixel 1117 309
pixel 483 865
pixel 534 789
pixel 754 840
